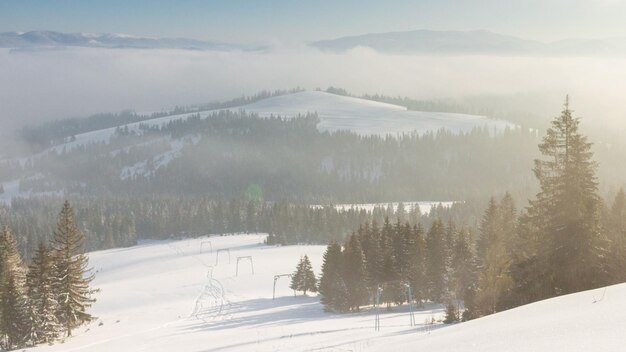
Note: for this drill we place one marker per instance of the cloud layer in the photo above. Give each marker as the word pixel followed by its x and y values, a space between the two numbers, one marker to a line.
pixel 41 85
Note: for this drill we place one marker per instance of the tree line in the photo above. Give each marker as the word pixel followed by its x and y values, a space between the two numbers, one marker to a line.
pixel 114 222
pixel 438 264
pixel 289 158
pixel 48 299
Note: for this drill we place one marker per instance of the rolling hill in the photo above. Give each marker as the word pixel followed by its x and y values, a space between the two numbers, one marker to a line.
pixel 144 151
pixel 336 113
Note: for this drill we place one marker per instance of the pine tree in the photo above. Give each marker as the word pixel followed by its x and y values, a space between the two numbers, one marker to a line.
pixel 354 273
pixel 565 247
pixel 332 288
pixel 42 303
pixel 390 280
pixel 436 261
pixel 463 269
pixel 616 231
pixel 416 253
pixel 508 220
pixel 13 314
pixel 72 277
pixel 296 277
pixel 370 243
pixel 508 227
pixel 403 245
pixel 303 279
pixel 310 281
pixel 452 313
pixel 401 213
pixel 494 282
pixel 489 228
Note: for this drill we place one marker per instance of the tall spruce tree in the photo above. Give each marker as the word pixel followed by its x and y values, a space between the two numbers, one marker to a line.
pixel 42 304
pixel 416 275
pixel 565 247
pixel 616 231
pixel 354 273
pixel 390 279
pixel 463 266
pixel 72 277
pixel 490 228
pixel 508 219
pixel 332 288
pixel 13 300
pixel 436 261
pixel 303 279
pixel 310 281
pixel 494 282
pixel 370 243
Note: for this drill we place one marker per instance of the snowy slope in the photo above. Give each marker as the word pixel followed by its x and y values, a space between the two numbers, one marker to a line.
pixel 336 113
pixel 159 296
pixel 587 321
pixel 368 117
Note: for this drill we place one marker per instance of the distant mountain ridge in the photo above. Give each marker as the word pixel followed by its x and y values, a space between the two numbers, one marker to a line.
pixel 478 42
pixel 35 39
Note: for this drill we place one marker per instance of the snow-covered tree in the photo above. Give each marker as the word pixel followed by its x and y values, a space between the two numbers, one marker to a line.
pixel 71 275
pixel 42 299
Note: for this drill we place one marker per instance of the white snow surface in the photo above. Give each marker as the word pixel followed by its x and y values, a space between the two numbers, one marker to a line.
pixel 158 296
pixel 367 117
pixel 587 321
pixel 336 112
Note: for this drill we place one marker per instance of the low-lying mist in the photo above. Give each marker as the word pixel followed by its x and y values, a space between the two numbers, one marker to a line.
pixel 42 85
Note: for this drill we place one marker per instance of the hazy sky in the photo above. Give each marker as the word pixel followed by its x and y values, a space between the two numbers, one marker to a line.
pixel 43 85
pixel 294 20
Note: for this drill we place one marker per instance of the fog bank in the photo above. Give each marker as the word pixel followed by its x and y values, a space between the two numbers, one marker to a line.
pixel 49 84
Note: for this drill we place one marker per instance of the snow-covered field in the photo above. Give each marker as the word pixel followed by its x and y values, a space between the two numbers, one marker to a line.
pixel 170 296
pixel 161 296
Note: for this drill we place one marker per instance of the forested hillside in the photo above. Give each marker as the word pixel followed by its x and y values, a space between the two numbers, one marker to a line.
pixel 226 153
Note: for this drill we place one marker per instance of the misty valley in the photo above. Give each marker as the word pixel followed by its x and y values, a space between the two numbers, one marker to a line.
pixel 253 177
